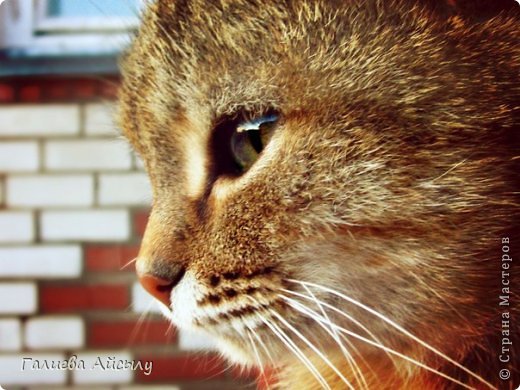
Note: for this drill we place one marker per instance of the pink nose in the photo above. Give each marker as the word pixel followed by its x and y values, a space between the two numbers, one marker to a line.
pixel 158 287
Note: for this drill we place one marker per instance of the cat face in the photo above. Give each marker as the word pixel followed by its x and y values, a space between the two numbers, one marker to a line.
pixel 321 169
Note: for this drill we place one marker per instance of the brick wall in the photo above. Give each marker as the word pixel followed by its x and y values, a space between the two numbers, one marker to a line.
pixel 73 207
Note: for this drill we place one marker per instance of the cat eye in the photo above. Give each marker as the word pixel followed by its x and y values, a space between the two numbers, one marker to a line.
pixel 249 139
pixel 238 140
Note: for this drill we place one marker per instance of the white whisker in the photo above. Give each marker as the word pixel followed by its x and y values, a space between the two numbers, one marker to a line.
pixel 360 378
pixel 294 349
pixel 140 321
pixel 312 346
pixel 255 350
pixel 314 315
pixel 398 327
pixel 127 264
pixel 257 355
pixel 346 315
pixel 262 344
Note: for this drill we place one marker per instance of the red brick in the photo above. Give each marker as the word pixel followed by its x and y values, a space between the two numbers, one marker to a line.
pixel 131 333
pixel 101 258
pixel 140 221
pixel 109 89
pixel 85 89
pixel 58 91
pixel 188 367
pixel 6 93
pixel 83 297
pixel 30 93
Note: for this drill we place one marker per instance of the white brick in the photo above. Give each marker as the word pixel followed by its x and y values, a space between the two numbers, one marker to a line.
pixel 148 387
pixel 19 157
pixel 16 226
pixel 194 341
pixel 96 374
pixel 50 190
pixel 10 334
pixel 138 163
pixel 14 372
pixel 40 262
pixel 124 189
pixel 91 225
pixel 143 302
pixel 87 155
pixel 39 120
pixel 54 333
pixel 99 119
pixel 18 298
pixel 86 387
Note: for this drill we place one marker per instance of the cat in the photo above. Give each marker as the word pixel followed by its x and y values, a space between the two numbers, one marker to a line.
pixel 334 185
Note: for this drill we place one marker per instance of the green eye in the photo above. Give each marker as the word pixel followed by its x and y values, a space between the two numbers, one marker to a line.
pixel 250 138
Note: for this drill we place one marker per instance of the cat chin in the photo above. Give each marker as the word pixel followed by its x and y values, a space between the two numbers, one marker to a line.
pixel 234 353
pixel 231 351
pixel 184 302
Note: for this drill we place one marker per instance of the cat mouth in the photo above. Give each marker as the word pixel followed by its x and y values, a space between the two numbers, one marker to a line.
pixel 268 323
pixel 251 319
pixel 229 307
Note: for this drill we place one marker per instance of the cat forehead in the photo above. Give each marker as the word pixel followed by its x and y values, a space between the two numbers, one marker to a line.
pixel 220 57
pixel 231 44
pixel 235 54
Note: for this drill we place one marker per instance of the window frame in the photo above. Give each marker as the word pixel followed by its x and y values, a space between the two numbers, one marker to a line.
pixel 27 30
pixel 61 24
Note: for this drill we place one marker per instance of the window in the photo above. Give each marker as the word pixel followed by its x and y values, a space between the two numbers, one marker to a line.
pixel 67 27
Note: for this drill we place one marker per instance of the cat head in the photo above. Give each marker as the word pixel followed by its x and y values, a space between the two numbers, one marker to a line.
pixel 321 161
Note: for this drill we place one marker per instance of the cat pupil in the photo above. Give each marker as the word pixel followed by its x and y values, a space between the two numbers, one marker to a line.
pixel 255 140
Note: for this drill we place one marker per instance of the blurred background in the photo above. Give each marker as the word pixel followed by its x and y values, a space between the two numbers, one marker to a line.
pixel 73 207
